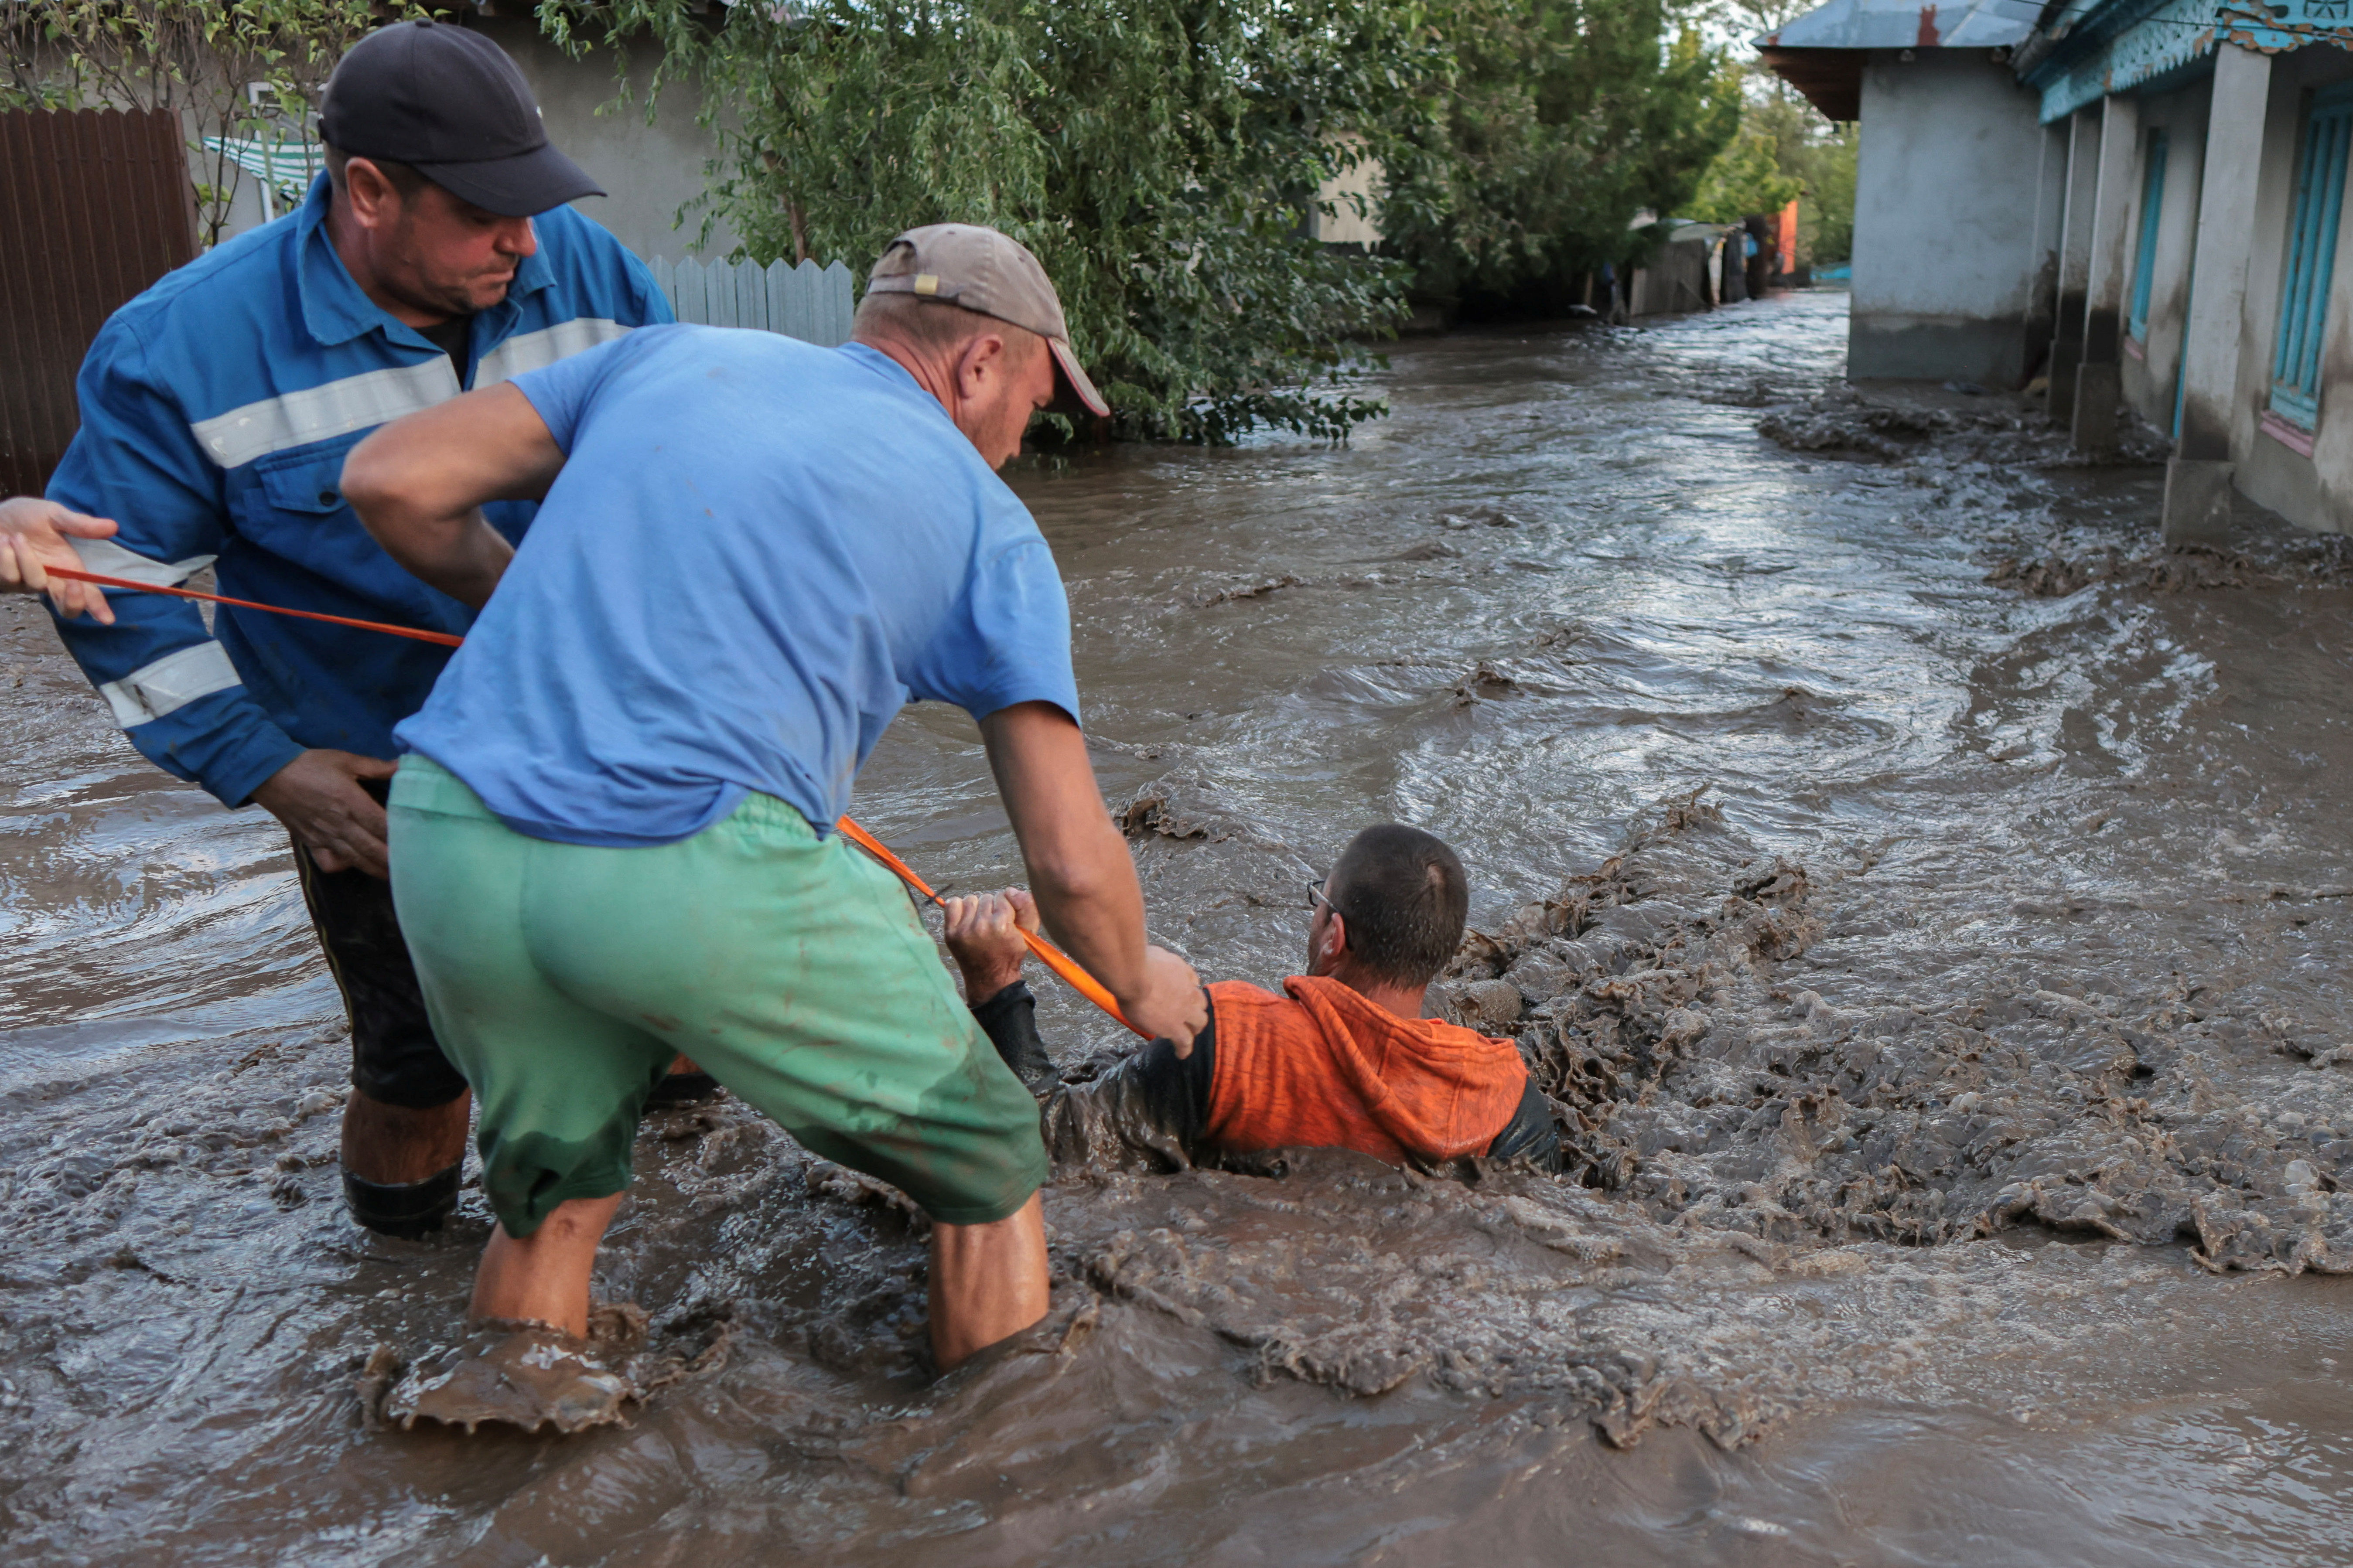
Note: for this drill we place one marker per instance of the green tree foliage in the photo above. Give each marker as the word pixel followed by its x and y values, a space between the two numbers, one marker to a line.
pixel 231 68
pixel 1562 123
pixel 1814 156
pixel 1158 156
pixel 1805 149
pixel 1745 179
pixel 1826 217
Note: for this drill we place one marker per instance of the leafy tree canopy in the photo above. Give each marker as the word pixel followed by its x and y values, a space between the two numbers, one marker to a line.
pixel 1159 157
pixel 1745 179
pixel 1564 120
pixel 1784 148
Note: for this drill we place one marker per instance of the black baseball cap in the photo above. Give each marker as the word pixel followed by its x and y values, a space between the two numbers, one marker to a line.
pixel 451 105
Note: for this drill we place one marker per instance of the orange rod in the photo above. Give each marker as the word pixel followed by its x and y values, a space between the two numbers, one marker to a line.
pixel 1060 963
pixel 446 639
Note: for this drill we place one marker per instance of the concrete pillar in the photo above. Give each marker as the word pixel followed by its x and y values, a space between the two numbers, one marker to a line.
pixel 2075 257
pixel 2099 375
pixel 2042 260
pixel 2197 475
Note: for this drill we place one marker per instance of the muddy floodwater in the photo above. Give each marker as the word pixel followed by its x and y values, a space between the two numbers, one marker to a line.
pixel 1926 901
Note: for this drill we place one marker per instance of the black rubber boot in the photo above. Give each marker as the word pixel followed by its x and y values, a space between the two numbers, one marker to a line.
pixel 403 1209
pixel 682 1088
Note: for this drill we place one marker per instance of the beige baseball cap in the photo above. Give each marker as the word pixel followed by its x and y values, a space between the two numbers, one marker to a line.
pixel 981 269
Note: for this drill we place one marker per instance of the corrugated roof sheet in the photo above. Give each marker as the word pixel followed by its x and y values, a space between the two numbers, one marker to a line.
pixel 1907 25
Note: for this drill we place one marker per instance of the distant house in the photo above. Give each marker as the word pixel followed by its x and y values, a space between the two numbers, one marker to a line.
pixel 2142 202
pixel 1944 239
pixel 1688 269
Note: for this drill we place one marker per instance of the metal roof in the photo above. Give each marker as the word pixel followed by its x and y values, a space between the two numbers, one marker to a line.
pixel 1907 25
pixel 2094 48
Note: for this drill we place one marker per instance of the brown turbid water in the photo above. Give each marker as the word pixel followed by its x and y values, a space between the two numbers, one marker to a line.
pixel 1940 979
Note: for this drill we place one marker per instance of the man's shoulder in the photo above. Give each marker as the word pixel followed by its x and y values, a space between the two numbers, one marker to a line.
pixel 1446 1032
pixel 712 379
pixel 719 358
pixel 1241 995
pixel 1354 1008
pixel 593 271
pixel 853 405
pixel 211 297
pixel 576 230
pixel 1252 1017
pixel 1444 1038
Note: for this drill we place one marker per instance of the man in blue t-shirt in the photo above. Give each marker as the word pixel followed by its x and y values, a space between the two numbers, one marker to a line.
pixel 613 836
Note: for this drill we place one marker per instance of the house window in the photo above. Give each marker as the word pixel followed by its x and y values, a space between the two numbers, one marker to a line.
pixel 2311 256
pixel 2152 203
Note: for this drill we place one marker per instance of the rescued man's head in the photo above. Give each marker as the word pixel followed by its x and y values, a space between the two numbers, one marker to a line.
pixel 1402 900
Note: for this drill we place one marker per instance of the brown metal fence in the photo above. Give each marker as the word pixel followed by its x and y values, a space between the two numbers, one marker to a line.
pixel 94 207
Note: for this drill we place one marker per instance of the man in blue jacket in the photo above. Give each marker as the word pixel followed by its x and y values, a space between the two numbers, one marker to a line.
pixel 433 256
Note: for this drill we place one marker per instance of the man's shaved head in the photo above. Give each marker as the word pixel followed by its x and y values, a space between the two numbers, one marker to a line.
pixel 1405 899
pixel 937 324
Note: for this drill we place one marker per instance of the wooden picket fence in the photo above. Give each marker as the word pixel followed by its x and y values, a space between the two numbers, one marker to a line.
pixel 807 301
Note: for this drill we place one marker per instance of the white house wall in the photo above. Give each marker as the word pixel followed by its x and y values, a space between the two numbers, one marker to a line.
pixel 651 171
pixel 2149 380
pixel 1944 278
pixel 2316 491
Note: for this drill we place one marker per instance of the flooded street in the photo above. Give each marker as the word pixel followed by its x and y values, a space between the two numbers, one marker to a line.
pixel 1938 982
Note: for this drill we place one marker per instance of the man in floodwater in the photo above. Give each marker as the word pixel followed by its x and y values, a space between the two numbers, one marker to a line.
pixel 1344 1058
pixel 613 837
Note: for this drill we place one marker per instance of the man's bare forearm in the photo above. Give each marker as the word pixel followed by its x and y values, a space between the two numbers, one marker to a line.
pixel 1079 872
pixel 463 556
pixel 1096 913
pixel 419 485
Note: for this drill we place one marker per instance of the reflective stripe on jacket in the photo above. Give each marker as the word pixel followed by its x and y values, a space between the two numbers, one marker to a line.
pixel 216 409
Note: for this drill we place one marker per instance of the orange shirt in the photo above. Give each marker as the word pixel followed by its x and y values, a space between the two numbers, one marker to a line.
pixel 1323 1066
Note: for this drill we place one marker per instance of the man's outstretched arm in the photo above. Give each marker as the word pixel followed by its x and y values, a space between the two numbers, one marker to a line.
pixel 983 936
pixel 419 485
pixel 1080 871
pixel 1151 1107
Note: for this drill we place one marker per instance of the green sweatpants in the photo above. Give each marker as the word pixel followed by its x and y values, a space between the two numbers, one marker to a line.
pixel 562 978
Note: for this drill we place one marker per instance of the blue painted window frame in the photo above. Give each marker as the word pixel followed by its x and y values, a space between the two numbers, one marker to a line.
pixel 2311 256
pixel 2152 207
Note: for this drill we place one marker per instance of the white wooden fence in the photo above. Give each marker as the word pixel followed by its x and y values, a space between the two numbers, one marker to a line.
pixel 807 301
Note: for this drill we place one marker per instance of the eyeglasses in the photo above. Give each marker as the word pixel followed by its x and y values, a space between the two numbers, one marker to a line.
pixel 1315 891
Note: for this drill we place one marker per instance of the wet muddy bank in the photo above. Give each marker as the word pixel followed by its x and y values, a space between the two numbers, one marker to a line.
pixel 1931 973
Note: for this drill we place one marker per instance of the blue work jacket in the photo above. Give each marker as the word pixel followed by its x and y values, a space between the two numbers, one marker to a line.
pixel 217 410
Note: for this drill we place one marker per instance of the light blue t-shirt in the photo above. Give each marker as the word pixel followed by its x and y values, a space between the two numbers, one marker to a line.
pixel 757 551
